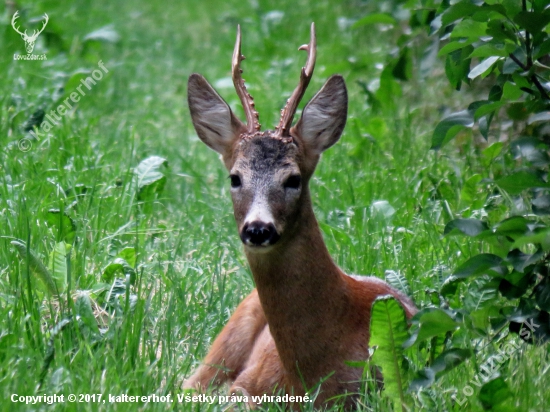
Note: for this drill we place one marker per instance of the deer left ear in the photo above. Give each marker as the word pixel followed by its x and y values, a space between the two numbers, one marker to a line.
pixel 324 117
pixel 214 121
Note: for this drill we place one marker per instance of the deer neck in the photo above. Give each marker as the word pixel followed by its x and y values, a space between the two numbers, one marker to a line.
pixel 303 295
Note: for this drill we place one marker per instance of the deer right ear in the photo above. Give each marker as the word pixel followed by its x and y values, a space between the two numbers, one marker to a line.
pixel 324 117
pixel 212 117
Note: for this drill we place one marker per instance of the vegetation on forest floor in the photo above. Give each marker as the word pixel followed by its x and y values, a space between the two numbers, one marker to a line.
pixel 119 257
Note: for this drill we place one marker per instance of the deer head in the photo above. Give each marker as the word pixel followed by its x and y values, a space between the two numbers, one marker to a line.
pixel 269 170
pixel 29 40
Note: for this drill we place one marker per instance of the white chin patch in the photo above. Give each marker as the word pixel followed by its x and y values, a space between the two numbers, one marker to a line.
pixel 250 244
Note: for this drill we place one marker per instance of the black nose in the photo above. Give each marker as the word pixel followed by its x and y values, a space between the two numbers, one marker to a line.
pixel 259 234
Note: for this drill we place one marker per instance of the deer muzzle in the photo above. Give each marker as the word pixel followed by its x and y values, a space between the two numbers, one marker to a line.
pixel 259 234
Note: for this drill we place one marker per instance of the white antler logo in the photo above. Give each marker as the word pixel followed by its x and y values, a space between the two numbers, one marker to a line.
pixel 29 40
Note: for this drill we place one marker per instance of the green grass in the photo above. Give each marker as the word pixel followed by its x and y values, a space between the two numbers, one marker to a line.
pixel 191 272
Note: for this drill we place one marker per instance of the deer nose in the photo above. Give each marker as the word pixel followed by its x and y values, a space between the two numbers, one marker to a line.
pixel 259 234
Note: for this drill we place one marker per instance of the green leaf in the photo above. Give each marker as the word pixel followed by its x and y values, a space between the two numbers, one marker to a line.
pixel 148 171
pixel 517 182
pixel 469 192
pixel 470 29
pixel 36 266
pixel 341 236
pixel 511 91
pixel 388 331
pixel 484 263
pixel 117 289
pixel 457 66
pixel 539 237
pixel 118 265
pixel 482 293
pixel 99 288
pixel 539 5
pixel 517 111
pixel 542 50
pixel 458 11
pixel 454 45
pixel 485 124
pixel 434 322
pixel 494 393
pixel 482 67
pixel 129 255
pixel 487 108
pixel 491 152
pixel 449 287
pixel 531 21
pixel 513 227
pixel 84 311
pixel 66 228
pixel 481 317
pixel 495 94
pixel 447 128
pixel 150 180
pixel 376 18
pixel 520 260
pixel 512 7
pixel 488 50
pixel 501 31
pixel 424 379
pixel 58 265
pixel 398 281
pixel 493 6
pixel 469 227
pixel 403 67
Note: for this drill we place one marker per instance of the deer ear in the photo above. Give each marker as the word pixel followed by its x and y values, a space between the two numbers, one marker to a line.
pixel 214 121
pixel 324 117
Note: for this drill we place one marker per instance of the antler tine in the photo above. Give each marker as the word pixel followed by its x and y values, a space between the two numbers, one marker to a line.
pixel 288 112
pixel 46 20
pixel 13 19
pixel 252 118
pixel 44 23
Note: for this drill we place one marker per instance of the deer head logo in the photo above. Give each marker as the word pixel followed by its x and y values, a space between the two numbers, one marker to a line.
pixel 29 40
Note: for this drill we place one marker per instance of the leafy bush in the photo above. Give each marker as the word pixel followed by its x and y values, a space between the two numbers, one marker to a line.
pixel 499 48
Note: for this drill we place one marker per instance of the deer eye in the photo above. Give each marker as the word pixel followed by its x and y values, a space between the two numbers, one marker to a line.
pixel 293 182
pixel 235 181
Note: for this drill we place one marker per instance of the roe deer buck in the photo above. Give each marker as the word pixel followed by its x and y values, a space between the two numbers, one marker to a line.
pixel 306 317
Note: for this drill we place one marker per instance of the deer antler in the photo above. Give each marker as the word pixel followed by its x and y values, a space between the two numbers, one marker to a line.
pixel 287 114
pixel 37 32
pixel 13 19
pixel 252 118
